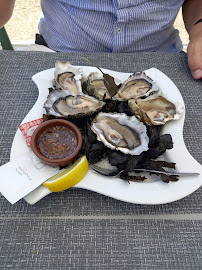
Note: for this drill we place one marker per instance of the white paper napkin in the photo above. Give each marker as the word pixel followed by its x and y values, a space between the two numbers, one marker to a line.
pixel 22 175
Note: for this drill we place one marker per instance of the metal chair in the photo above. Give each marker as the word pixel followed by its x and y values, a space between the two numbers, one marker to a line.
pixel 4 40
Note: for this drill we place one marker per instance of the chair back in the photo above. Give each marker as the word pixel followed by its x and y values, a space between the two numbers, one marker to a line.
pixel 4 39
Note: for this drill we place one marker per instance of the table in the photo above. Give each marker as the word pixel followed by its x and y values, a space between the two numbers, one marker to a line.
pixel 80 229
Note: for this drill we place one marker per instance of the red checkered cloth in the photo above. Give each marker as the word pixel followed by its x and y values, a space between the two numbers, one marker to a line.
pixel 28 129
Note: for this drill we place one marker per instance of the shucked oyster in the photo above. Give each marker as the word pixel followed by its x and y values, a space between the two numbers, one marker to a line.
pixel 61 105
pixel 96 86
pixel 121 132
pixel 137 85
pixel 155 110
pixel 68 78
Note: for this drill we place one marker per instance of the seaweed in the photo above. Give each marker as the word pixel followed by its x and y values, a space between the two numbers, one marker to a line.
pixel 96 152
pixel 110 106
pixel 125 176
pixel 122 107
pixel 153 132
pixel 158 146
pixel 159 166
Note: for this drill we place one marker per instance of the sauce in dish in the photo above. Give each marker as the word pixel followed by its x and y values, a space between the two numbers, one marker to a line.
pixel 57 142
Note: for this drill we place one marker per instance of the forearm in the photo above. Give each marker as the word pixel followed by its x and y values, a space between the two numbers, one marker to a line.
pixel 192 12
pixel 6 10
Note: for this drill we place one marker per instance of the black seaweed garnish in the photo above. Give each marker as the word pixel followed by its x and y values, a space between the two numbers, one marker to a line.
pixel 47 117
pixel 153 132
pixel 158 146
pixel 96 152
pixel 110 106
pixel 160 166
pixel 124 108
pixel 125 176
pixel 117 158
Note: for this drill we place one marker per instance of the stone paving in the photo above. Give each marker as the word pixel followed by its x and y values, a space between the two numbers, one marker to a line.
pixel 23 25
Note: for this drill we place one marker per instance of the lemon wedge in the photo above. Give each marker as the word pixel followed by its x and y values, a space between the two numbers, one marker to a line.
pixel 69 177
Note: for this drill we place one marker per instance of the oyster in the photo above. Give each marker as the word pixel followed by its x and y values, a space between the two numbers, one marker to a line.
pixel 96 86
pixel 137 85
pixel 60 104
pixel 121 132
pixel 155 109
pixel 68 78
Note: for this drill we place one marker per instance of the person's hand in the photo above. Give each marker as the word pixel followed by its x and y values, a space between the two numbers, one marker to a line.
pixel 194 51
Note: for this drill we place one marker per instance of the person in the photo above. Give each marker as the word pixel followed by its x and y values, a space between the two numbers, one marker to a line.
pixel 118 26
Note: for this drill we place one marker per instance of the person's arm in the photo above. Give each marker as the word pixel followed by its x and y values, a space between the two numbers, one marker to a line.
pixel 192 12
pixel 6 10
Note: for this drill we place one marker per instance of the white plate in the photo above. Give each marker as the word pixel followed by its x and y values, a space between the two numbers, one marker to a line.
pixel 152 191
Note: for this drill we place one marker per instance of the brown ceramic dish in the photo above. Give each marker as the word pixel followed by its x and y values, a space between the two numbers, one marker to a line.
pixel 48 127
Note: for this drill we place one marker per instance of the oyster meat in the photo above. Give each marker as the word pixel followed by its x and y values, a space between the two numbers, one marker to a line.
pixel 61 105
pixel 121 132
pixel 68 78
pixel 137 85
pixel 155 110
pixel 96 86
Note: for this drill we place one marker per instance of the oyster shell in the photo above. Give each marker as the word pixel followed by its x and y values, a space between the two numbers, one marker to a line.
pixel 155 109
pixel 121 132
pixel 68 78
pixel 137 85
pixel 59 104
pixel 96 86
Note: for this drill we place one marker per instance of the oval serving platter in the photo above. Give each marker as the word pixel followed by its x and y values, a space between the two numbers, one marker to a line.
pixel 150 192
